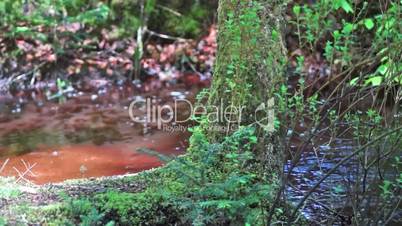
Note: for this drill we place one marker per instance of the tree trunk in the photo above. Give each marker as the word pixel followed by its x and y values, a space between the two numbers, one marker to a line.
pixel 248 70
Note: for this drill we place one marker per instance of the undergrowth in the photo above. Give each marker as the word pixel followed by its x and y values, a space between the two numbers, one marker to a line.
pixel 217 184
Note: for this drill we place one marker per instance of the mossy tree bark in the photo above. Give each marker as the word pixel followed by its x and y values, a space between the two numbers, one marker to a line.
pixel 248 71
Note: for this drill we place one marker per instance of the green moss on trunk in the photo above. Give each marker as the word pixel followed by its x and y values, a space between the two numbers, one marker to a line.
pixel 248 70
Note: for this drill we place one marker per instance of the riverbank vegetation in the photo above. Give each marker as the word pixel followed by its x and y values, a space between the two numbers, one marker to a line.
pixel 311 92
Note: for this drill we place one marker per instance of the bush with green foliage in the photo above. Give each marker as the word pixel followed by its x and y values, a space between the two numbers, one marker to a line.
pixel 30 18
pixel 353 33
pixel 215 184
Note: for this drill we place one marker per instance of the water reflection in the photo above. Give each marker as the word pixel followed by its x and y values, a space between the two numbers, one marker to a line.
pixel 87 131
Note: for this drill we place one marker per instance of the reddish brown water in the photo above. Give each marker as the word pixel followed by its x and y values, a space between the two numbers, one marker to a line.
pixel 88 160
pixel 86 136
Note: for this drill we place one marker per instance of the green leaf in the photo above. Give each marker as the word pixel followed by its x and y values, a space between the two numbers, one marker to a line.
pixel 296 10
pixel 336 34
pixel 386 187
pixel 375 81
pixel 224 205
pixel 398 79
pixel 347 28
pixel 383 69
pixel 344 4
pixel 338 189
pixel 369 23
pixel 353 82
pixel 275 35
pixel 111 223
pixel 284 89
pixel 253 139
pixel 21 29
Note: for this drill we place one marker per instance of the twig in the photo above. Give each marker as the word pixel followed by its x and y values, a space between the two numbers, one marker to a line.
pixel 174 12
pixel 20 175
pixel 391 216
pixel 4 165
pixel 164 36
pixel 28 169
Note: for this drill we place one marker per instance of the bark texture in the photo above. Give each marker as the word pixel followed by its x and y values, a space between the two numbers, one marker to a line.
pixel 248 70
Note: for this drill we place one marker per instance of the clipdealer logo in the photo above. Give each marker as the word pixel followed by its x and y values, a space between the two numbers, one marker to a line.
pixel 222 114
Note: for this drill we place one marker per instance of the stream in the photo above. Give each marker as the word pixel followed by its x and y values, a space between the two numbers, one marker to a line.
pixel 89 133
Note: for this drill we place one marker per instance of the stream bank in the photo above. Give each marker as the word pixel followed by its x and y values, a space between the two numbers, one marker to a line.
pixel 20 203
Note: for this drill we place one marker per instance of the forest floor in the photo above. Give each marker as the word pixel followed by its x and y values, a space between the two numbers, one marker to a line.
pixel 21 202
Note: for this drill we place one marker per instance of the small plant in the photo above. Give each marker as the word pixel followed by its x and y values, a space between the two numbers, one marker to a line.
pixel 92 218
pixel 82 211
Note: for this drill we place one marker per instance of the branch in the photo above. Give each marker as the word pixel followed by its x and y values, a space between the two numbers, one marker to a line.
pixel 163 36
pixel 174 12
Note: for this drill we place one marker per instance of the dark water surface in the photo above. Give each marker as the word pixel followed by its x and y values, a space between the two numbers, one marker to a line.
pixel 345 192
